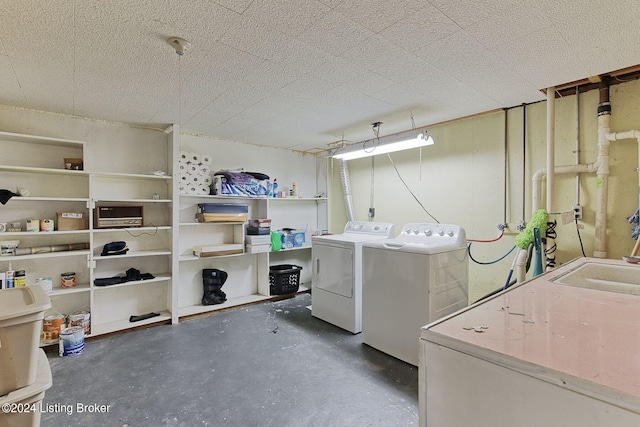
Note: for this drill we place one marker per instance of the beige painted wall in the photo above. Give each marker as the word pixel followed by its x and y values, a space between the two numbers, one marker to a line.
pixel 461 180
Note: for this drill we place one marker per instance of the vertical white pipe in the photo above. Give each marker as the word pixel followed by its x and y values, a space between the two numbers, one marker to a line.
pixel 602 174
pixel 602 188
pixel 577 144
pixel 551 133
pixel 550 258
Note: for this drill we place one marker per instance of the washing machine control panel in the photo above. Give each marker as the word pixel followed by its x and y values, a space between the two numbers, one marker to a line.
pixel 432 232
pixel 364 227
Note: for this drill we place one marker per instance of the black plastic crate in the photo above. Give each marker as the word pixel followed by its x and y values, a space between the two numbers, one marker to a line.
pixel 284 279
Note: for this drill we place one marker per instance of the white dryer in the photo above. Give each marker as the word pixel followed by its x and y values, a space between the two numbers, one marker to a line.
pixel 336 284
pixel 410 281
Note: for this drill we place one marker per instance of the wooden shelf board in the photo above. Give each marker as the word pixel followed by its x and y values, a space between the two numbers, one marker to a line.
pixel 131 176
pixel 133 254
pixel 43 233
pixel 48 199
pixel 48 171
pixel 119 325
pixel 233 302
pixel 44 255
pixel 84 287
pixel 158 278
pixel 131 229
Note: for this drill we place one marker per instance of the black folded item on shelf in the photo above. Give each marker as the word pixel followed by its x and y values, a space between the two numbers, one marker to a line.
pixel 258 231
pixel 5 195
pixel 115 248
pixel 131 275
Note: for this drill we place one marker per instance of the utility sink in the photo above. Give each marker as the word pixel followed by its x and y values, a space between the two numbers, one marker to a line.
pixel 605 277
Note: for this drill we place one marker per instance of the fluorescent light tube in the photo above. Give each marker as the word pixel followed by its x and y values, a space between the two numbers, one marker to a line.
pixel 383 145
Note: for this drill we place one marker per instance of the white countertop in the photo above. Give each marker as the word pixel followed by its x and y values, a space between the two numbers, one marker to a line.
pixel 583 339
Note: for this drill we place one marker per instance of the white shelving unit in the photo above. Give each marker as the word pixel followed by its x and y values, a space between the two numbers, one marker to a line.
pixel 162 246
pixel 248 280
pixel 37 164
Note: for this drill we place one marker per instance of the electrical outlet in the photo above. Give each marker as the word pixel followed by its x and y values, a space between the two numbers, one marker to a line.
pixel 577 212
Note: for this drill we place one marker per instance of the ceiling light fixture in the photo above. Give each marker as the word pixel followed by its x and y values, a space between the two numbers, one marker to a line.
pixel 179 44
pixel 385 144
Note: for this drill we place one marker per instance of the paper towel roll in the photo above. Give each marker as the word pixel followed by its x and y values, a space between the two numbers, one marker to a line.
pixel 193 189
pixel 207 180
pixel 192 169
pixel 185 179
pixel 195 158
pixel 184 156
pixel 203 190
pixel 196 179
pixel 204 170
pixel 206 159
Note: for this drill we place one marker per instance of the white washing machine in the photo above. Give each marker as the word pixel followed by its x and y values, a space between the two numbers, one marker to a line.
pixel 410 281
pixel 336 284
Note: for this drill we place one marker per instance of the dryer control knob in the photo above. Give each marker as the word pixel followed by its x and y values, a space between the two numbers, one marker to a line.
pixel 441 232
pixel 416 231
pixel 450 233
pixel 428 232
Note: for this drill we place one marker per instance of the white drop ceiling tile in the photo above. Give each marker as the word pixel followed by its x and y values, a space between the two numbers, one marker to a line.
pixel 238 6
pixel 165 19
pixel 504 86
pixel 311 85
pixel 255 37
pixel 368 83
pixel 544 58
pixel 300 56
pixel 559 12
pixel 231 60
pixel 376 15
pixel 12 92
pixel 282 16
pixel 31 19
pixel 511 22
pixel 338 71
pixel 421 28
pixel 335 34
pixel 599 47
pixel 472 10
pixel 381 56
pixel 457 48
pixel 400 95
pixel 332 3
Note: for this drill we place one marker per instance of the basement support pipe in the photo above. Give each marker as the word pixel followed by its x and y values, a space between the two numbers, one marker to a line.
pixel 602 174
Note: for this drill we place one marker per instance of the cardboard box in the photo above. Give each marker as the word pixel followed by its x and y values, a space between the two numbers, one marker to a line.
pixel 221 217
pixel 218 250
pixel 70 221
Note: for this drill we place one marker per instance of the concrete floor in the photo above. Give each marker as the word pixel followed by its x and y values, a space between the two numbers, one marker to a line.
pixel 270 364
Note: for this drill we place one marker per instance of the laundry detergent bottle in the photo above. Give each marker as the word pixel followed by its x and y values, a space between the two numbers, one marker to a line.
pixel 276 241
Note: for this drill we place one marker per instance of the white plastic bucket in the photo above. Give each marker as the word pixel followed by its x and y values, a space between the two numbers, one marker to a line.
pixel 71 341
